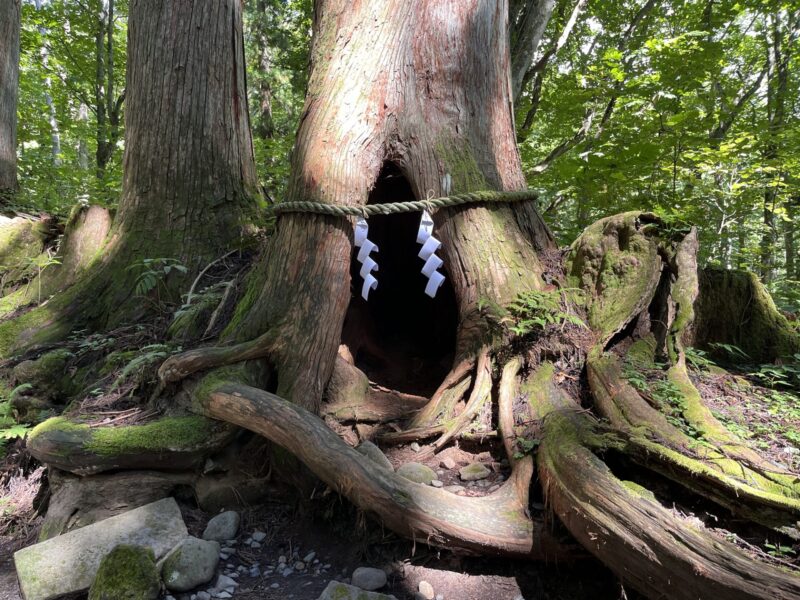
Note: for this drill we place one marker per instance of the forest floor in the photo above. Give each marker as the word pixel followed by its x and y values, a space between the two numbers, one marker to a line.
pixel 342 540
pixel 345 542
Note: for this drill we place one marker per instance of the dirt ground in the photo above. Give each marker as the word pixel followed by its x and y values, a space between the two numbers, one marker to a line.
pixel 344 542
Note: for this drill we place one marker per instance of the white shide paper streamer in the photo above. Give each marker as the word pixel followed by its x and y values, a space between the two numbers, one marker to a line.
pixel 366 247
pixel 428 253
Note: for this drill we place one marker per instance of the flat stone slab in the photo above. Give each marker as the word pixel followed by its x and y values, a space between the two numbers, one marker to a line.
pixel 68 563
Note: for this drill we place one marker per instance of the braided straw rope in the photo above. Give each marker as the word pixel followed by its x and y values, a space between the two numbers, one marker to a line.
pixel 394 208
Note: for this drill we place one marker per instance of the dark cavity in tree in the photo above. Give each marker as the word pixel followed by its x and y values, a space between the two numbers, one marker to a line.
pixel 401 338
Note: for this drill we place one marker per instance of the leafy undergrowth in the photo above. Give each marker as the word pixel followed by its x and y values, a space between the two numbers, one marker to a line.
pixel 767 418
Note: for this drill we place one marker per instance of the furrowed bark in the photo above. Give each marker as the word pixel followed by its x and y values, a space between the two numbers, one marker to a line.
pixel 9 85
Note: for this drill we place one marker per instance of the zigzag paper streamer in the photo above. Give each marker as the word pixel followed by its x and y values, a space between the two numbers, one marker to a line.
pixel 428 253
pixel 368 265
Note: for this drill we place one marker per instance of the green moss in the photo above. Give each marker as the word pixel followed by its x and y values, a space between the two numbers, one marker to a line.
pixel 459 162
pixel 56 424
pixel 166 433
pixel 127 573
pixel 638 490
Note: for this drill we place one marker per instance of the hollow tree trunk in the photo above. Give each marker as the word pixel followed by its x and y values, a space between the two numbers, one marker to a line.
pixel 434 101
pixel 188 170
pixel 9 85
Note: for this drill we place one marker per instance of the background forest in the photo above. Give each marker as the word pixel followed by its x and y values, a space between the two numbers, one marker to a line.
pixel 686 108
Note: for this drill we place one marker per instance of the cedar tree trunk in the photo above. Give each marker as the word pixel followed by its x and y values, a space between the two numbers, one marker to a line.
pixel 419 92
pixel 188 169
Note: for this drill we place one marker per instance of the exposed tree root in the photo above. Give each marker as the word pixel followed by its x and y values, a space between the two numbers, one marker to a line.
pixel 494 524
pixel 182 365
pixel 721 469
pixel 658 552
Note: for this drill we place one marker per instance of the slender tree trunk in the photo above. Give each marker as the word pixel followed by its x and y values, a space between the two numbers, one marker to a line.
pixel 789 240
pixel 9 86
pixel 265 127
pixel 55 134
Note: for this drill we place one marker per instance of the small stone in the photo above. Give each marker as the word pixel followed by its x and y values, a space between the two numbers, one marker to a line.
pixel 203 596
pixel 309 557
pixel 494 488
pixel 254 572
pixel 281 559
pixel 189 564
pixel 439 596
pixel 275 586
pixel 224 582
pixel 375 454
pixel 426 589
pixel 233 574
pixel 255 545
pixel 417 472
pixel 224 595
pixel 258 536
pixel 473 472
pixel 453 489
pixel 415 447
pixel 168 597
pixel 287 572
pixel 436 483
pixel 222 527
pixel 368 578
pixel 299 565
pixel 448 463
pixel 326 566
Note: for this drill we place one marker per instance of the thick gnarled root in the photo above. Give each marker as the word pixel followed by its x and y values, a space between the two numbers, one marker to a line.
pixel 717 466
pixel 494 524
pixel 659 553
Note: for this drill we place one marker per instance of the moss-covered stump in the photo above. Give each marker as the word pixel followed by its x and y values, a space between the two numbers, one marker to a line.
pixel 170 443
pixel 127 573
pixel 616 262
pixel 84 235
pixel 735 308
pixel 21 241
pixel 48 375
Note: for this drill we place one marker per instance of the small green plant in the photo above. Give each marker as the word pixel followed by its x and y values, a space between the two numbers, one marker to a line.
pixel 525 446
pixel 730 351
pixel 779 550
pixel 535 310
pixel 137 367
pixel 698 359
pixel 661 392
pixel 152 272
pixel 785 375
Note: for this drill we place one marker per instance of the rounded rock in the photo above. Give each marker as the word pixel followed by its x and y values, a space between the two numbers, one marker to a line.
pixel 189 564
pixel 369 578
pixel 417 472
pixel 222 527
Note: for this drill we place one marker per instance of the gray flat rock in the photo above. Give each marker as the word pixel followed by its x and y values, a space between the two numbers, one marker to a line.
pixel 342 591
pixel 68 563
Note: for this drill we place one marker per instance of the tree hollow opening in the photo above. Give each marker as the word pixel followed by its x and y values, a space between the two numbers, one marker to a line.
pixel 400 338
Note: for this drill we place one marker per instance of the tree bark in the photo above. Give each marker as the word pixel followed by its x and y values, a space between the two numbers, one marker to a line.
pixel 436 104
pixel 9 85
pixel 188 171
